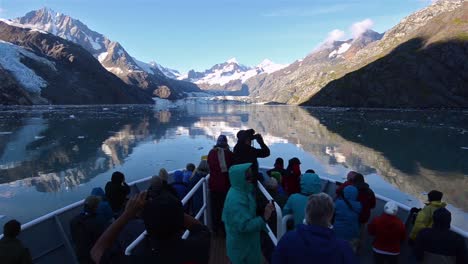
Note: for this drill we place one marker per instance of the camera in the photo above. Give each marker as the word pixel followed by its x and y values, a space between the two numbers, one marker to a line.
pixel 250 134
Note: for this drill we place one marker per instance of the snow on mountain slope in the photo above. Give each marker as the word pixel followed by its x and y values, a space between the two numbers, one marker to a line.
pixel 10 59
pixel 229 71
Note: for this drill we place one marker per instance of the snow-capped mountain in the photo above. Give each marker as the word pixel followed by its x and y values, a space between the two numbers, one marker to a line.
pixel 149 76
pixel 229 75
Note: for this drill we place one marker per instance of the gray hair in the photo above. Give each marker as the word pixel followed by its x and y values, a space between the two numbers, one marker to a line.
pixel 319 210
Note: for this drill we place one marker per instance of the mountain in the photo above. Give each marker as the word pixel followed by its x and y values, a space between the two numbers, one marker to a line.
pixel 38 68
pixel 297 82
pixel 422 63
pixel 441 75
pixel 229 75
pixel 149 77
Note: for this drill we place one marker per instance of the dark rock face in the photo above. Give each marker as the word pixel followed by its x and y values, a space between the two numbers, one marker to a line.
pixel 428 70
pixel 411 76
pixel 79 78
pixel 305 79
pixel 11 92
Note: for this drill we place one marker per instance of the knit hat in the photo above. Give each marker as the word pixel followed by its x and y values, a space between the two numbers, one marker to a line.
pixel 163 174
pixel 222 141
pixel 271 184
pixel 351 175
pixel 442 218
pixel 163 217
pixel 434 195
pixel 91 203
pixel 98 191
pixel 391 208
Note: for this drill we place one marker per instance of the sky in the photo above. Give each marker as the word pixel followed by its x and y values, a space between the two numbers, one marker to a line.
pixel 196 34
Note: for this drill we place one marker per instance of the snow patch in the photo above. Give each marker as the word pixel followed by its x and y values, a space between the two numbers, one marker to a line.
pixel 94 43
pixel 232 60
pixel 342 49
pixel 10 59
pixel 145 66
pixel 268 66
pixel 102 56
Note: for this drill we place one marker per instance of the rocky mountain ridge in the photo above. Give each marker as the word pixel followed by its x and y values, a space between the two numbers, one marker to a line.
pixel 41 68
pixel 148 76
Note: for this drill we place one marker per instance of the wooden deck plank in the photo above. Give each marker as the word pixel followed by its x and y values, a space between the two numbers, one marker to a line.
pixel 218 250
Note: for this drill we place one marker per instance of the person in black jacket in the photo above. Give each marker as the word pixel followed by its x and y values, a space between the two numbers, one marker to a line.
pixel 165 222
pixel 116 191
pixel 11 248
pixel 245 153
pixel 85 229
pixel 439 244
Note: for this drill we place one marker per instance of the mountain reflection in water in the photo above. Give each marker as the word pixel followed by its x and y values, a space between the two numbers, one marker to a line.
pixel 54 156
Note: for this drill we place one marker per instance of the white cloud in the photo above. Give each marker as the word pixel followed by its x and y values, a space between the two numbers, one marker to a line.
pixel 335 35
pixel 360 27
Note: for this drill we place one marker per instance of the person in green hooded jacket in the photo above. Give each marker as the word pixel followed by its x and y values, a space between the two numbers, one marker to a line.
pixel 242 225
pixel 296 204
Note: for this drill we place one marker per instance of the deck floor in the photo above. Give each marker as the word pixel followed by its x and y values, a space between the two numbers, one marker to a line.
pixel 218 250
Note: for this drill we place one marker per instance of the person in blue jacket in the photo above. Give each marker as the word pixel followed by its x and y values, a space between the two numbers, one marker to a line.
pixel 242 225
pixel 314 241
pixel 179 185
pixel 347 212
pixel 296 204
pixel 104 212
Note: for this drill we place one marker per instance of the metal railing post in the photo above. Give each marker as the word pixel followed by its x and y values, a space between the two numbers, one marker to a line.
pixel 205 202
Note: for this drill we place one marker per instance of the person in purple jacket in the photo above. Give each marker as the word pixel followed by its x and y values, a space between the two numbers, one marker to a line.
pixel 314 241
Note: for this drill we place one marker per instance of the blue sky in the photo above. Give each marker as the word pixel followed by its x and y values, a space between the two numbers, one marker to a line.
pixel 193 34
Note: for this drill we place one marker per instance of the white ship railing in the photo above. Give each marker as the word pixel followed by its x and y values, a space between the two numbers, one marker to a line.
pixel 203 210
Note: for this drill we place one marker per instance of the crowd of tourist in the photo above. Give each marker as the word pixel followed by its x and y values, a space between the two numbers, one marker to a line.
pixel 323 229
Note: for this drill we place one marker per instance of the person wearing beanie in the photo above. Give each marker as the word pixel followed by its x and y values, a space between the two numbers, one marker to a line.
pixel 424 217
pixel 86 228
pixel 349 181
pixel 296 204
pixel 347 210
pixel 245 153
pixel 278 170
pixel 11 248
pixel 220 159
pixel 104 212
pixel 291 182
pixel 243 226
pixel 439 244
pixel 165 222
pixel 117 191
pixel 389 232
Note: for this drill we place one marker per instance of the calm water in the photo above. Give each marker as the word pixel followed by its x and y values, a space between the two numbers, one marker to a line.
pixel 53 156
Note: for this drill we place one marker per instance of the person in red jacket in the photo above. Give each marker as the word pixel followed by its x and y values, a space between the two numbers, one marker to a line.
pixel 219 160
pixel 291 180
pixel 389 232
pixel 349 181
pixel 365 196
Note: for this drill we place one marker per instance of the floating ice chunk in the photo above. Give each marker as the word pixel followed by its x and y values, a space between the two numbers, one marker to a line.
pixel 81 137
pixel 72 116
pixel 5 132
pixel 105 109
pixel 200 148
pixel 466 148
pixel 385 129
pixel 359 135
pixel 39 137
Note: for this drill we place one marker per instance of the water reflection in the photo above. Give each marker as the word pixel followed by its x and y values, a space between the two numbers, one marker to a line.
pixel 61 148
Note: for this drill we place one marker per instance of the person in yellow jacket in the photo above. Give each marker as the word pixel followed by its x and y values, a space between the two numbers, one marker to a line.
pixel 424 218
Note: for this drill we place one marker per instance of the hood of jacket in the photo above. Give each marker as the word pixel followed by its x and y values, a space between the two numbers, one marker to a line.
pixel 237 177
pixel 310 183
pixel 98 191
pixel 350 193
pixel 178 176
pixel 437 204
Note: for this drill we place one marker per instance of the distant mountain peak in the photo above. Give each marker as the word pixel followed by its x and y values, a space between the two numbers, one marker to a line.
pixel 232 60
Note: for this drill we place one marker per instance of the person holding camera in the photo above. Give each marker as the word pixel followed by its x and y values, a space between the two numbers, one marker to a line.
pixel 245 153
